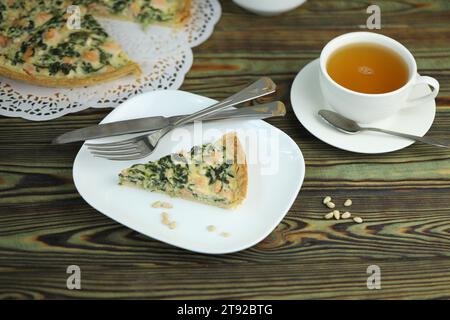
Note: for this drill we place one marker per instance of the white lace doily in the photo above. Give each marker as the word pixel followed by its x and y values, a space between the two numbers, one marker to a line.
pixel 164 54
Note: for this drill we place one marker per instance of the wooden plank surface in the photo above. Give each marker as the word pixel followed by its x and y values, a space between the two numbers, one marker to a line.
pixel 403 196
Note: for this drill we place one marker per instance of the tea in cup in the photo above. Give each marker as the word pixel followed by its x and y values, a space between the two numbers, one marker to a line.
pixel 368 77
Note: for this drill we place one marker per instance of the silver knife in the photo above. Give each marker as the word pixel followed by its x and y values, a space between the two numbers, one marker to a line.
pixel 261 111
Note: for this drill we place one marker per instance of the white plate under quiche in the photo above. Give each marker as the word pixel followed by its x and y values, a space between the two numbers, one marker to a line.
pixel 276 171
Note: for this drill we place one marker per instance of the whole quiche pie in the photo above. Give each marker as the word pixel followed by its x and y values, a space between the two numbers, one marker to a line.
pixel 38 44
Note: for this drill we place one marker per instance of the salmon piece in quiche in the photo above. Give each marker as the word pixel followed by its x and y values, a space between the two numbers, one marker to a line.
pixel 214 174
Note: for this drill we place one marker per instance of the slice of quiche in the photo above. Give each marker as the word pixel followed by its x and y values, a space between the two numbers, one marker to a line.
pixel 146 12
pixel 214 173
pixel 38 46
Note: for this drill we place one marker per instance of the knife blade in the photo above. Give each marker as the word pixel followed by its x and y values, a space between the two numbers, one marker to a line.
pixel 155 123
pixel 112 129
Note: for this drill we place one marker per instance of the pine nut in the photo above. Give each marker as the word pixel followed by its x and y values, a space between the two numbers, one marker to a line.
pixel 331 205
pixel 358 219
pixel 336 214
pixel 329 215
pixel 326 199
pixel 156 204
pixel 346 215
pixel 225 234
pixel 172 225
pixel 165 218
pixel 166 205
pixel 348 203
pixel 211 228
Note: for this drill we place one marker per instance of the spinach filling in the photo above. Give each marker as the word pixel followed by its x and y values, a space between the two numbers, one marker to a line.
pixel 220 173
pixel 2 8
pixel 146 15
pixel 55 67
pixel 171 173
pixel 88 68
pixel 15 32
pixel 52 58
pixel 149 14
pixel 88 22
pixel 120 5
pixel 2 13
pixel 156 175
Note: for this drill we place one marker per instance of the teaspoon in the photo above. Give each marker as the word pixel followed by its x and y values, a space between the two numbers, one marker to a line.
pixel 351 127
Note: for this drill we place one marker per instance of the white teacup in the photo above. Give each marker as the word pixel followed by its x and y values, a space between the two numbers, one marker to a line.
pixel 363 107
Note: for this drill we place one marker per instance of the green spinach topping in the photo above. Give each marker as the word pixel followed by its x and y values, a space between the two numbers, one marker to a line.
pixel 2 12
pixel 220 173
pixel 171 172
pixel 120 5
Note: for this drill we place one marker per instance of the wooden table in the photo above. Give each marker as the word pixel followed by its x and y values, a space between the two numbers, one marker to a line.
pixel 403 196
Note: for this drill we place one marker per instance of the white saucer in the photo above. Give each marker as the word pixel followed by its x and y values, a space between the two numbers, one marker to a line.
pixel 307 100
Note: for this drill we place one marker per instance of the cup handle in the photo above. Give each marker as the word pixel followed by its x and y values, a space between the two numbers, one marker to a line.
pixel 433 83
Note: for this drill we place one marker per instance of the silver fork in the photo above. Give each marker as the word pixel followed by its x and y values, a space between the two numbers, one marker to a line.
pixel 142 146
pixel 115 150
